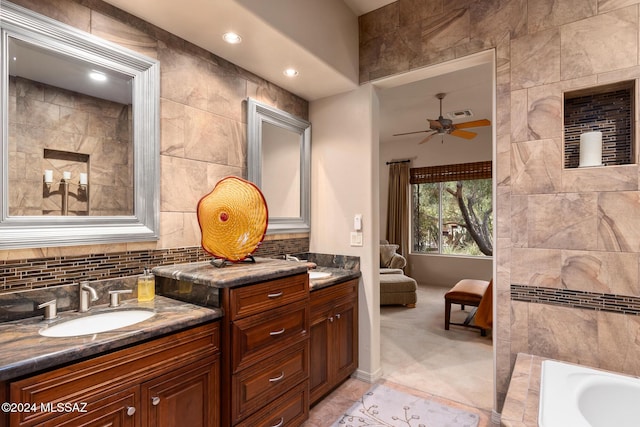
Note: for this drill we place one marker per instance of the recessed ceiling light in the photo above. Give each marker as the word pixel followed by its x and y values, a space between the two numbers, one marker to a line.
pixel 290 72
pixel 97 76
pixel 232 38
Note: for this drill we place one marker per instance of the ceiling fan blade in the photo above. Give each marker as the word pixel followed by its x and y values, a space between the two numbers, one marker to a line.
pixel 411 133
pixel 473 124
pixel 434 124
pixel 427 138
pixel 463 134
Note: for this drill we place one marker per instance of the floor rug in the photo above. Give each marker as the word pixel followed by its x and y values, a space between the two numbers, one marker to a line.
pixel 382 406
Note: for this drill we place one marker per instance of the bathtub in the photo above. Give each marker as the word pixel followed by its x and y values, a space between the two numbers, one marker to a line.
pixel 577 396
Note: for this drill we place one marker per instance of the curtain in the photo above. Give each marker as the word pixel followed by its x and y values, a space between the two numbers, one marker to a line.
pixel 398 207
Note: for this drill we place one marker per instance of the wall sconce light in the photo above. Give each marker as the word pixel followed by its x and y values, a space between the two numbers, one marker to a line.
pixel 83 180
pixel 48 176
pixel 63 190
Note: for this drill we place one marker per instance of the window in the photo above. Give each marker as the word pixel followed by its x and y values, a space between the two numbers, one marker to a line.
pixel 452 209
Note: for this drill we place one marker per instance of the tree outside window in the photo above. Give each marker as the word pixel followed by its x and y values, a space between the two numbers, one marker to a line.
pixel 453 217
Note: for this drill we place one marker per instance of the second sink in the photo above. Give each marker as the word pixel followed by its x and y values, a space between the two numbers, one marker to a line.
pixel 318 275
pixel 96 323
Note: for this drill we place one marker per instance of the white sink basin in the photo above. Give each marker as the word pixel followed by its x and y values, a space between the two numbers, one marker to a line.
pixel 318 275
pixel 96 323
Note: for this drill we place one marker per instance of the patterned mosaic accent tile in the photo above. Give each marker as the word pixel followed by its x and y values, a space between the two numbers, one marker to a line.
pixel 623 304
pixel 610 113
pixel 45 272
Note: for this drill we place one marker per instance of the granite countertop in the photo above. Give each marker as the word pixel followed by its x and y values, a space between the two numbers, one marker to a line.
pixel 24 351
pixel 232 274
pixel 239 274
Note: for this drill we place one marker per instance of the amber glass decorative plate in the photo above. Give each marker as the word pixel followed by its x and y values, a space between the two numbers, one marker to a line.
pixel 233 219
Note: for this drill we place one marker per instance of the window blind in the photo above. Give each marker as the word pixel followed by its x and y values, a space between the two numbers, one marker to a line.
pixel 445 173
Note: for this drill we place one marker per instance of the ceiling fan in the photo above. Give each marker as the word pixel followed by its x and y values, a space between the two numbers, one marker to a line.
pixel 443 126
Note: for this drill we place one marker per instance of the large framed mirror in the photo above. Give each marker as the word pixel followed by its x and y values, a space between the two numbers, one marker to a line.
pixel 279 163
pixel 80 136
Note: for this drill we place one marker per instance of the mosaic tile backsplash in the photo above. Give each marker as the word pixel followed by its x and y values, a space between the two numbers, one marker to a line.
pixel 45 272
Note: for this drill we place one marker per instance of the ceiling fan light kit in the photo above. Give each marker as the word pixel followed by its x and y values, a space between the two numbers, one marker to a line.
pixel 443 126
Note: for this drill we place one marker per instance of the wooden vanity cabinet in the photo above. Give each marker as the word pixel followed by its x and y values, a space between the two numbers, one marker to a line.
pixel 169 381
pixel 334 337
pixel 265 353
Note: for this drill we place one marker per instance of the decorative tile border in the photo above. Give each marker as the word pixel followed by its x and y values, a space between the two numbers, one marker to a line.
pixel 45 272
pixel 623 304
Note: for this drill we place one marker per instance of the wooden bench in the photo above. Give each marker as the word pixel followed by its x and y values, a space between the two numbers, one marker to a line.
pixel 465 292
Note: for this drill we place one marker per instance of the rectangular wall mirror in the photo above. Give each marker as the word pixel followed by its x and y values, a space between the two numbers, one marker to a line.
pixel 279 163
pixel 80 129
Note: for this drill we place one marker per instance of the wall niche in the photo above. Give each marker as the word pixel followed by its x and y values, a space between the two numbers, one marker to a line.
pixel 608 109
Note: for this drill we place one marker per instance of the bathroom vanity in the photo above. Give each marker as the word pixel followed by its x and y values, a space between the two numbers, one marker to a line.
pixel 135 386
pixel 286 341
pixel 243 345
pixel 126 376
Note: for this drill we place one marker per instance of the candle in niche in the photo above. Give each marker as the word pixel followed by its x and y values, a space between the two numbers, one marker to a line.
pixel 83 178
pixel 66 175
pixel 48 176
pixel 591 149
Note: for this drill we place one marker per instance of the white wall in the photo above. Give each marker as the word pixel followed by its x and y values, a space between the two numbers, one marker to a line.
pixel 344 167
pixel 446 271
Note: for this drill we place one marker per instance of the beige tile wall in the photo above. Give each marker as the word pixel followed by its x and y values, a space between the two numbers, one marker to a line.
pixel 203 125
pixel 557 228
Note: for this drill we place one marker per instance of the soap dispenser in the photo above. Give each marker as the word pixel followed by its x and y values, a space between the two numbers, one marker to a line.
pixel 146 286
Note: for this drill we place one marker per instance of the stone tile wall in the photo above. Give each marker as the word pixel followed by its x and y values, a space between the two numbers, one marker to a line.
pixel 566 229
pixel 203 139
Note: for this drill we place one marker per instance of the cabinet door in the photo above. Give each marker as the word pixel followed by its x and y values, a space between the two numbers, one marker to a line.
pixel 185 397
pixel 319 376
pixel 345 339
pixel 117 410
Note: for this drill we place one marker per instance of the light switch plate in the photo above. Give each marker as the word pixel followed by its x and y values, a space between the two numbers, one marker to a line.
pixel 356 238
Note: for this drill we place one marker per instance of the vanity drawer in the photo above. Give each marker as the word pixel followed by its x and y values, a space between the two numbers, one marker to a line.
pixel 290 409
pixel 255 387
pixel 256 337
pixel 266 296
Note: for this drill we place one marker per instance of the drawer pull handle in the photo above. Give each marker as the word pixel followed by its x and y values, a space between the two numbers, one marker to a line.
pixel 274 333
pixel 331 319
pixel 338 316
pixel 279 423
pixel 276 379
pixel 275 295
pixel 131 410
pixel 155 401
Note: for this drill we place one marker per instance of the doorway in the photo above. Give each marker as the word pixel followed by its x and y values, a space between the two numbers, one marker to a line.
pixel 416 351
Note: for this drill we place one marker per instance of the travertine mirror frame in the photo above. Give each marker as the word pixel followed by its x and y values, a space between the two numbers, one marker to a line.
pixel 47 231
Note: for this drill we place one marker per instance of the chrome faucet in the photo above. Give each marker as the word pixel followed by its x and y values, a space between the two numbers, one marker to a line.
pixel 288 257
pixel 85 292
